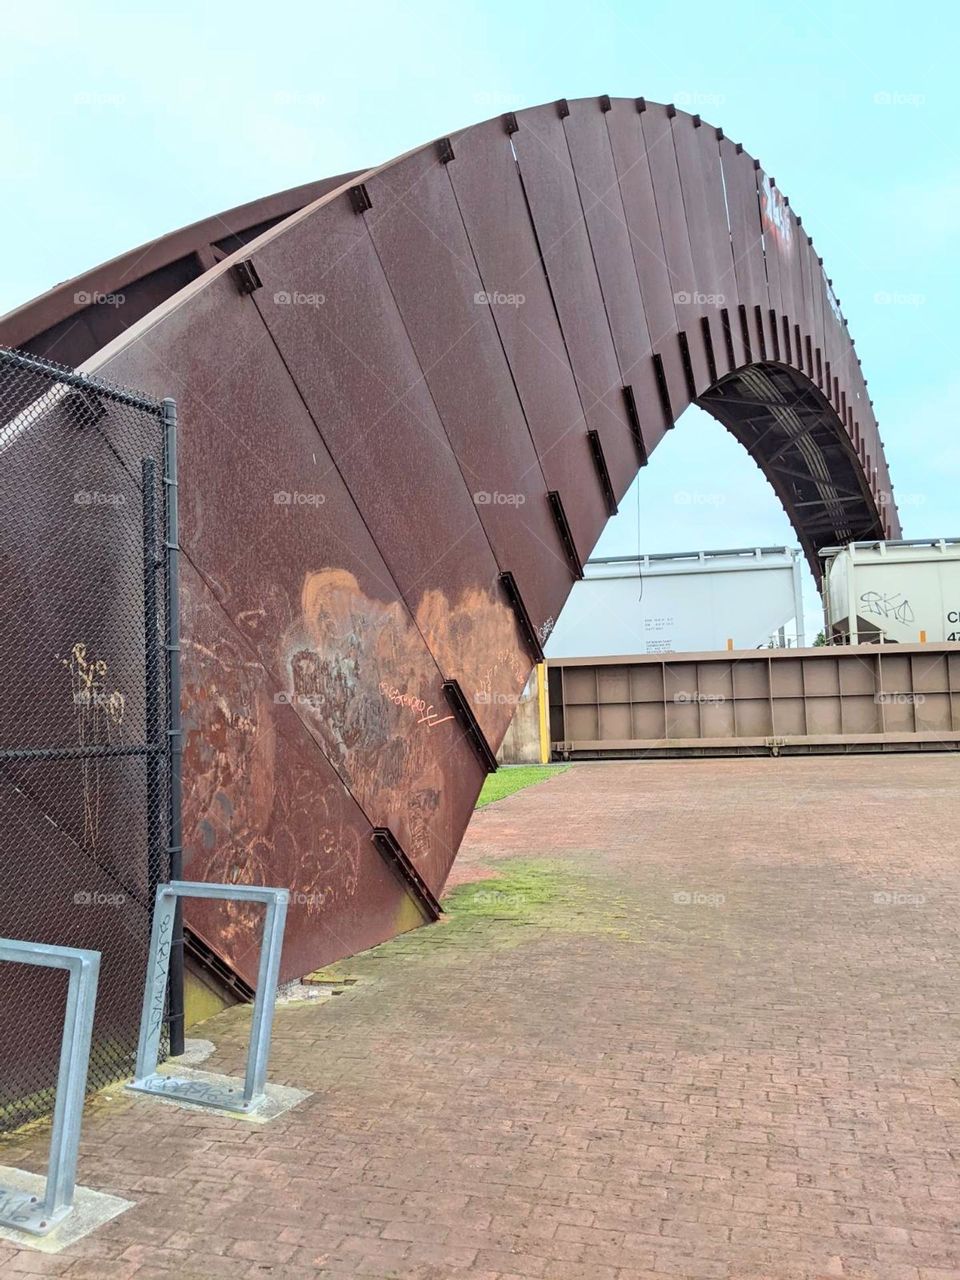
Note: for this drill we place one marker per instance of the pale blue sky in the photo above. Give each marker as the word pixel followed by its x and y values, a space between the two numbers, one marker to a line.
pixel 121 122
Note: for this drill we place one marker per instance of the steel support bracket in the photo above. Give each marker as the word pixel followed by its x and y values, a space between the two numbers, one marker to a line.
pixel 663 391
pixel 687 364
pixel 147 1079
pixel 565 533
pixel 247 276
pixel 708 348
pixel 728 338
pixel 603 474
pixel 468 723
pixel 20 1210
pixel 529 632
pixel 633 416
pixel 390 849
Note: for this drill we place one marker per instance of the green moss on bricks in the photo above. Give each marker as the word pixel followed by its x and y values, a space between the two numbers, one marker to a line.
pixel 526 898
pixel 546 894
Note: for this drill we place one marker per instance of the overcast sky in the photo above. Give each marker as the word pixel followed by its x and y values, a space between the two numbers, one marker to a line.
pixel 121 122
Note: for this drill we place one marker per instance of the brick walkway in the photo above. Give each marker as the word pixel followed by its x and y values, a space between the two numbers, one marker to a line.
pixel 705 1022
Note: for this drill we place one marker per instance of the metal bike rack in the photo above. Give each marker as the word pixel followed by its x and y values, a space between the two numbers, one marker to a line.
pixel 197 1090
pixel 18 1209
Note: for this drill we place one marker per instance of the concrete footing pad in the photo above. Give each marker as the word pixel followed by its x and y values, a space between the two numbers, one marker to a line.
pixel 184 1081
pixel 91 1209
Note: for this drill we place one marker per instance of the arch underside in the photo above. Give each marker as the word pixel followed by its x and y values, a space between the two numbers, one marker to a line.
pixel 407 410
pixel 782 421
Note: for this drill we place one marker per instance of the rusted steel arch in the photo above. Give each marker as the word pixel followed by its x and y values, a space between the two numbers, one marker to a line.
pixel 407 412
pixel 74 319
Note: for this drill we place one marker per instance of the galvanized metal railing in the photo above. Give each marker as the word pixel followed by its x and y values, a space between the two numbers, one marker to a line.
pixel 19 1209
pixel 184 1088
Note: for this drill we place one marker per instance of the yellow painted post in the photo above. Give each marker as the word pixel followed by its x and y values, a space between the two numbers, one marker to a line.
pixel 542 708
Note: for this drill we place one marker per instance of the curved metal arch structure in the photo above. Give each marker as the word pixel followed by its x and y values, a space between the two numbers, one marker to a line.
pixel 408 408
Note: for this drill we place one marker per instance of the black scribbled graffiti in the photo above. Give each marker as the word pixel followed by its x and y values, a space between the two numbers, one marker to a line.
pixel 160 975
pixel 187 1090
pixel 887 606
pixel 15 1207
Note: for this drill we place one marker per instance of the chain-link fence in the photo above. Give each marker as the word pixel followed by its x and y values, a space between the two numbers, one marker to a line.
pixel 88 695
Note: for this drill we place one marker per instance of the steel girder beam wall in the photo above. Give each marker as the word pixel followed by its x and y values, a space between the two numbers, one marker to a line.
pixel 782 701
pixel 404 425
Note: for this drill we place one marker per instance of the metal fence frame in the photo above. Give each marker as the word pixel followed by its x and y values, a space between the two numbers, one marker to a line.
pixel 161 747
pixel 21 1210
pixel 147 1079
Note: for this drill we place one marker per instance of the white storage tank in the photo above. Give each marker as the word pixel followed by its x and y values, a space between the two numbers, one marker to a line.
pixel 680 602
pixel 893 592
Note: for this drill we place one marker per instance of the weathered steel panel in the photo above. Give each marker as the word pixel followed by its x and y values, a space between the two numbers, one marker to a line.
pixel 715 203
pixel 426 256
pixel 834 336
pixel 359 376
pixel 793 273
pixel 509 265
pixel 69 341
pixel 643 226
pixel 809 325
pixel 296 571
pixel 739 180
pixel 704 232
pixel 593 165
pixel 701 183
pixel 819 326
pixel 72 320
pixel 665 177
pixel 263 806
pixel 657 126
pixel 557 212
pixel 779 248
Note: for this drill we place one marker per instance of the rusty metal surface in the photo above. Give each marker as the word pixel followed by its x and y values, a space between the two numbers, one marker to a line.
pixel 746 241
pixel 658 141
pixel 701 184
pixel 643 225
pixel 78 317
pixel 591 154
pixel 263 805
pixel 360 379
pixel 307 593
pixel 791 276
pixel 319 629
pixel 529 331
pixel 426 257
pixel 558 218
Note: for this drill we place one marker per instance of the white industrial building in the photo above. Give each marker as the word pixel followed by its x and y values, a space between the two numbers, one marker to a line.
pixel 686 602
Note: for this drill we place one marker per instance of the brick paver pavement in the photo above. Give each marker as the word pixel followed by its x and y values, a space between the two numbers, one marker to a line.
pixel 699 1019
